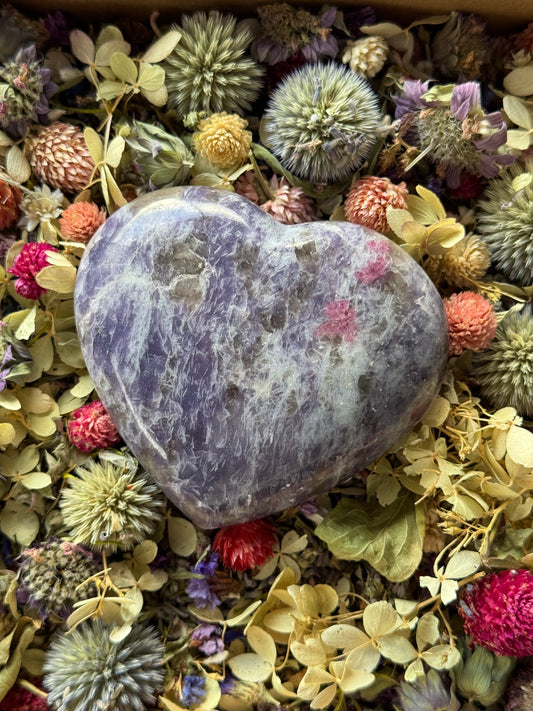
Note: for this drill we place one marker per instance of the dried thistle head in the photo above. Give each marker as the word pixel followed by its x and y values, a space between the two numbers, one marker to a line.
pixel 108 507
pixel 322 122
pixel 208 69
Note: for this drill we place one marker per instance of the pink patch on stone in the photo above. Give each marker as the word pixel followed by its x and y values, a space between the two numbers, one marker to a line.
pixel 340 321
pixel 379 264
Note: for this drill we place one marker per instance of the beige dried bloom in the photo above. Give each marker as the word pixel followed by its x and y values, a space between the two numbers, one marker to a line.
pixel 366 56
pixel 222 139
pixel 462 265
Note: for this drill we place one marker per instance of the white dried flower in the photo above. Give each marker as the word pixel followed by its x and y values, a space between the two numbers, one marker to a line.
pixel 366 56
pixel 40 205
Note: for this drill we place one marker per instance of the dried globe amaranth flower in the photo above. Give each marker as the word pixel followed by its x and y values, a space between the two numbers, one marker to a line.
pixel 59 157
pixel 369 198
pixel 222 139
pixel 85 670
pixel 80 221
pixel 288 205
pixel 461 265
pixel 504 372
pixel 245 545
pixel 505 222
pixel 472 322
pixel 50 575
pixel 107 506
pixel 27 264
pixel 207 70
pixel 322 122
pixel 498 612
pixel 366 56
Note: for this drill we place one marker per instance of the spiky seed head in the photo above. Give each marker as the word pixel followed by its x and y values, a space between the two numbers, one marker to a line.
pixel 505 371
pixel 49 576
pixel 322 122
pixel 505 221
pixel 108 507
pixel 86 671
pixel 208 70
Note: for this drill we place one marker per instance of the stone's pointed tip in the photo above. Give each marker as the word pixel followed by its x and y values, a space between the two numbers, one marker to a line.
pixel 248 364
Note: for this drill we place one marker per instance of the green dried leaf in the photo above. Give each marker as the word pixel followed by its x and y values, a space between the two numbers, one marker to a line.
pixel 162 47
pixel 9 400
pixel 262 643
pixel 19 523
pixel 7 433
pixel 145 552
pixel 124 68
pixel 463 564
pixel 115 149
pixel 58 279
pixel 68 348
pixel 26 323
pixel 94 144
pixel 344 636
pixel 36 480
pixel 151 78
pixel 382 29
pixel 520 445
pixel 108 49
pixel 82 46
pixel 18 641
pixel 520 81
pixel 520 140
pixel 427 630
pixel 436 413
pixel 389 537
pixel 159 97
pixel 380 618
pixel 250 667
pixel 112 187
pixel 397 648
pixel 182 536
pixel 517 111
pixel 17 165
pixel 110 89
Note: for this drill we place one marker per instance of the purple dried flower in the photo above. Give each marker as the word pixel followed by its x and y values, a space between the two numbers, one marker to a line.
pixel 208 639
pixel 287 30
pixel 25 88
pixel 357 18
pixel 199 589
pixel 193 690
pixel 15 358
pixel 452 130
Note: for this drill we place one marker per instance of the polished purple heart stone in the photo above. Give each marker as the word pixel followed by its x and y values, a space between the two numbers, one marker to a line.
pixel 248 364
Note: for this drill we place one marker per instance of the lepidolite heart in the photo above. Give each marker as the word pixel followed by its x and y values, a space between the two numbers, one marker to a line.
pixel 248 364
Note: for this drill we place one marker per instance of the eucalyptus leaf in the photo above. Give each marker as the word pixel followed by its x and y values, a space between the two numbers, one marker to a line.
pixel 59 279
pixel 82 46
pixel 182 536
pixel 518 112
pixel 389 537
pixel 94 144
pixel 17 165
pixel 520 81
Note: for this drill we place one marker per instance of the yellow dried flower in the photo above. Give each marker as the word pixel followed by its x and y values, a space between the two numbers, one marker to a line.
pixel 222 139
pixel 366 56
pixel 466 262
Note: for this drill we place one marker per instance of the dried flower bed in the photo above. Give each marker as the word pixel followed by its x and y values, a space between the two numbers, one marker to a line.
pixel 424 134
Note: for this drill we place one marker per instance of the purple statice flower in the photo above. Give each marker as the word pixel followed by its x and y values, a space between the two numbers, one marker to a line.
pixel 452 130
pixel 200 589
pixel 208 639
pixel 192 690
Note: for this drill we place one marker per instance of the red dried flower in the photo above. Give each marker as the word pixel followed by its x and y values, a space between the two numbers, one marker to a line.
pixel 469 187
pixel 80 221
pixel 245 545
pixel 10 196
pixel 18 699
pixel 369 198
pixel 26 265
pixel 471 322
pixel 91 428
pixel 498 612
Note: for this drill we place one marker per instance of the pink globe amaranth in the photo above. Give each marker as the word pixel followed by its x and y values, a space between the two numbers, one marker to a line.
pixel 472 322
pixel 91 428
pixel 27 264
pixel 498 612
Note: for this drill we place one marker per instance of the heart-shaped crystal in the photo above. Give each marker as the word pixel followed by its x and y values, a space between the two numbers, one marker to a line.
pixel 249 364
